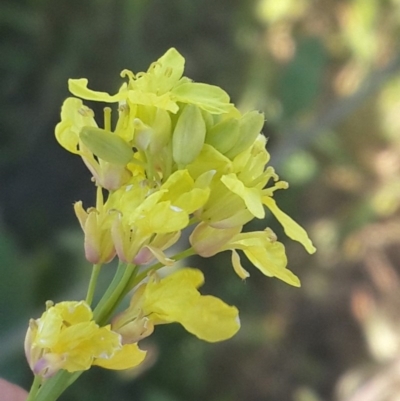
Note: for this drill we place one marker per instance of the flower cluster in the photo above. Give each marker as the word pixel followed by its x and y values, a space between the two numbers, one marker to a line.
pixel 172 154
pixel 66 337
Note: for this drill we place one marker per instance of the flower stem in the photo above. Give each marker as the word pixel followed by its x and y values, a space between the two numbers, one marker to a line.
pixel 34 388
pixel 111 298
pixel 92 284
pixel 52 388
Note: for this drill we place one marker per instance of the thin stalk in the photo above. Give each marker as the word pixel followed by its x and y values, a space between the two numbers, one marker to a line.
pixel 110 300
pixel 55 386
pixel 34 388
pixel 114 283
pixel 92 284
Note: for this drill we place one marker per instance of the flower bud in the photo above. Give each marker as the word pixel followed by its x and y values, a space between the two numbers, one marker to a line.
pixel 143 134
pixel 208 241
pixel 161 131
pixel 189 135
pixel 106 145
pixel 250 126
pixel 224 135
pixel 99 247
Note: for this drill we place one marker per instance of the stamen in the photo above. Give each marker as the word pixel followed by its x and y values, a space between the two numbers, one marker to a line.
pixel 127 73
pixel 107 118
pixel 49 304
pixel 154 65
pixel 99 198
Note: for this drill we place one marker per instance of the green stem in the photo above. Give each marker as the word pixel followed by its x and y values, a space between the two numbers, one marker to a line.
pixel 117 277
pixel 34 388
pixel 52 388
pixel 110 299
pixel 92 284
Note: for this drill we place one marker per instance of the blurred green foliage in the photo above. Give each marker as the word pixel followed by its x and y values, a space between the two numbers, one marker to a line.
pixel 327 75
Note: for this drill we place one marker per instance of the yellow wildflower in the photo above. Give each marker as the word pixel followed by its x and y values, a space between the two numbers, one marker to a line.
pixel 148 220
pixel 75 119
pixel 66 337
pixel 260 247
pixel 175 298
pixel 162 86
pixel 96 225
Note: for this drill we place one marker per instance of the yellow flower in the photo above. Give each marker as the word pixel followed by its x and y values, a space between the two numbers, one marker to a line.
pixel 96 225
pixel 175 298
pixel 75 119
pixel 239 190
pixel 162 86
pixel 148 220
pixel 260 247
pixel 66 337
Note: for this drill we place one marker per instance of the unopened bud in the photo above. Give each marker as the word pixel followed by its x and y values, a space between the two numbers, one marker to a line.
pixel 143 134
pixel 106 145
pixel 189 135
pixel 208 241
pixel 224 135
pixel 161 131
pixel 250 126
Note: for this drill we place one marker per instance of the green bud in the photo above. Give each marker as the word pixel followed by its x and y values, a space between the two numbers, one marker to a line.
pixel 162 131
pixel 208 119
pixel 250 126
pixel 189 135
pixel 224 135
pixel 106 145
pixel 143 134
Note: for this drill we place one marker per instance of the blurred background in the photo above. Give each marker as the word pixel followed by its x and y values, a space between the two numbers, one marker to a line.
pixel 326 73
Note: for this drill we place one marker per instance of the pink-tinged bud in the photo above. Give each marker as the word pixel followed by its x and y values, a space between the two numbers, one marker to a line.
pixel 96 225
pixel 106 175
pixel 208 241
pixel 106 145
pixel 132 324
pixel 127 244
pixel 134 330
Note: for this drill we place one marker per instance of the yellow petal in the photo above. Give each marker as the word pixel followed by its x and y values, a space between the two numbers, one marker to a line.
pixel 74 116
pixel 162 218
pixel 74 312
pixel 250 196
pixel 208 97
pixel 150 99
pixel 176 299
pixel 271 260
pixel 164 300
pixel 48 329
pixel 167 70
pixel 103 343
pixel 129 356
pixel 291 228
pixel 211 319
pixel 79 88
pixel 237 266
pixel 77 361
